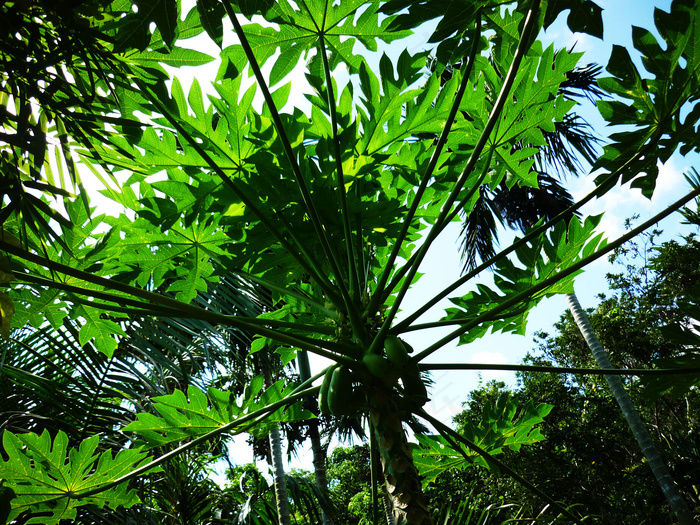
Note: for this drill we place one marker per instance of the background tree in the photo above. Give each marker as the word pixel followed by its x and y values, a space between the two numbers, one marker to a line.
pixel 350 484
pixel 595 462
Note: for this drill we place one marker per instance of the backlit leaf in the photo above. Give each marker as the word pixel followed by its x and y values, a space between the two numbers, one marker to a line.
pixel 47 477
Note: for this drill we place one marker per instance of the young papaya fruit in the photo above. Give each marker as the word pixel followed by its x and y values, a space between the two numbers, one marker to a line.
pixel 395 350
pixel 414 386
pixel 339 391
pixel 377 365
pixel 323 393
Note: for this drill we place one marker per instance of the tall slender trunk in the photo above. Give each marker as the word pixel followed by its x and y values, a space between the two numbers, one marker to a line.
pixel 409 506
pixel 319 463
pixel 319 452
pixel 658 467
pixel 281 496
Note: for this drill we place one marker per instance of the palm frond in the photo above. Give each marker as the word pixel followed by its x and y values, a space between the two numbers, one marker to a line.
pixel 567 148
pixel 581 82
pixel 478 234
pixel 523 206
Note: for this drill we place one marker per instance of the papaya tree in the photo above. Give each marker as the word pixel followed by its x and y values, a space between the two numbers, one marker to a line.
pixel 327 192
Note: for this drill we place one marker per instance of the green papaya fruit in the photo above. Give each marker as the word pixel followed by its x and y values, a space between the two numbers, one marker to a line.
pixel 323 393
pixel 396 350
pixel 339 391
pixel 377 365
pixel 413 385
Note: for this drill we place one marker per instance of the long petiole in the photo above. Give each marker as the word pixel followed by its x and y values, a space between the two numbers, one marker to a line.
pixel 379 295
pixel 340 182
pixel 245 323
pixel 450 322
pixel 411 267
pixel 528 27
pixel 289 152
pixel 201 439
pixel 532 234
pixel 562 369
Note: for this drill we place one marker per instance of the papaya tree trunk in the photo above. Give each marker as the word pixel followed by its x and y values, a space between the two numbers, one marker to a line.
pixel 641 434
pixel 387 506
pixel 408 504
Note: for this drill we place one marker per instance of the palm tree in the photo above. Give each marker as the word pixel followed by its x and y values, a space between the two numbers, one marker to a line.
pixel 50 381
pixel 641 434
pixel 519 207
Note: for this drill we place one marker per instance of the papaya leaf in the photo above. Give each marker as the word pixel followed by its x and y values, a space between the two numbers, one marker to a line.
pixel 652 106
pixel 134 28
pixel 535 262
pixel 181 417
pixel 393 110
pixel 98 329
pixel 6 497
pixel 502 426
pixel 211 14
pixel 585 16
pixel 48 478
pixel 298 32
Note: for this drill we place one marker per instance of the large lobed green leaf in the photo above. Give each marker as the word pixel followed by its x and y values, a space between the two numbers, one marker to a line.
pixel 182 417
pixel 659 111
pixel 298 31
pixel 536 263
pixel 502 426
pixel 48 478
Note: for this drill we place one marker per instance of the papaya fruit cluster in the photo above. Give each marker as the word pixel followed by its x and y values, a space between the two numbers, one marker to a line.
pixel 342 394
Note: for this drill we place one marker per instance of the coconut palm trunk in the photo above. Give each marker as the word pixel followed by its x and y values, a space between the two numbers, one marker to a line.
pixel 658 467
pixel 319 463
pixel 319 452
pixel 281 495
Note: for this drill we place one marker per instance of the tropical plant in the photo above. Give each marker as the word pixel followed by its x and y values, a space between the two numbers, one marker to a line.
pixel 324 209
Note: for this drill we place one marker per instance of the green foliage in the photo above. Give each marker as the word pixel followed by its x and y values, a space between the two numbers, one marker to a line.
pixel 586 442
pixel 529 272
pixel 654 107
pixel 504 425
pixel 183 417
pixel 241 193
pixel 348 471
pixel 47 477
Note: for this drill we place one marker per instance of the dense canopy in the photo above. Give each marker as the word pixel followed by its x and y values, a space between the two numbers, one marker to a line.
pixel 257 217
